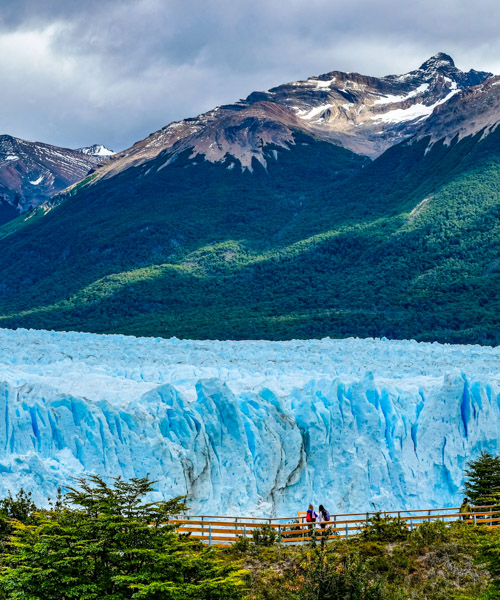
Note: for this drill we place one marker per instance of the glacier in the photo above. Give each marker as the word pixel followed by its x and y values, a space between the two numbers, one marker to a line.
pixel 253 428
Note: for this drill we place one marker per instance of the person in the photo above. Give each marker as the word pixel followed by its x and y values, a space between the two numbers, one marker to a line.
pixel 465 508
pixel 311 516
pixel 324 515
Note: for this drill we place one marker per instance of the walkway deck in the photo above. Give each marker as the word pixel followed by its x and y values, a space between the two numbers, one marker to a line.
pixel 217 530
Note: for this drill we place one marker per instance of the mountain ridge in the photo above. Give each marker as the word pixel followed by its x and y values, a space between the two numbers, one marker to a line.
pixel 312 241
pixel 316 106
pixel 33 172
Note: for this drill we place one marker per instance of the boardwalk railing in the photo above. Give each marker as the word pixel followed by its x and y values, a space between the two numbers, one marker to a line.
pixel 216 530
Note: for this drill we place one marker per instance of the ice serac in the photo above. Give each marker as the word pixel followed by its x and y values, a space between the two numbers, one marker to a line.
pixel 248 427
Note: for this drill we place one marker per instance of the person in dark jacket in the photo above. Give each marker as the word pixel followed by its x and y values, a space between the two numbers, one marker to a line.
pixel 465 508
pixel 324 515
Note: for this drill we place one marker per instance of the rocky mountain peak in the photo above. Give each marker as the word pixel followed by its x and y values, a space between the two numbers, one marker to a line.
pixel 32 172
pixel 438 61
pixel 364 114
pixel 96 150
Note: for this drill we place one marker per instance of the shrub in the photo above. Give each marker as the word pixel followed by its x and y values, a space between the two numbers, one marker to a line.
pixel 265 536
pixel 242 544
pixel 430 533
pixel 385 529
pixel 326 577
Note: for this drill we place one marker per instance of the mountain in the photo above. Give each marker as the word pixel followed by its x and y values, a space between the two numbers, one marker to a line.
pixel 364 114
pixel 32 172
pixel 245 428
pixel 252 221
pixel 96 150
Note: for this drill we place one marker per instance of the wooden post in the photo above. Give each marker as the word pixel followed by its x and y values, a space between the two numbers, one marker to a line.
pixel 346 530
pixel 210 534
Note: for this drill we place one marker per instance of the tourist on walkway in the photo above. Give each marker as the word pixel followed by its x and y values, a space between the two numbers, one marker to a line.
pixel 465 508
pixel 324 515
pixel 311 516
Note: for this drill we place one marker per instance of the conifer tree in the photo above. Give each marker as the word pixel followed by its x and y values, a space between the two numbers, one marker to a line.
pixel 482 484
pixel 109 543
pixel 19 508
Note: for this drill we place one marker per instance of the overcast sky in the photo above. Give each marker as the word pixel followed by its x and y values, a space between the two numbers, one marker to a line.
pixel 77 72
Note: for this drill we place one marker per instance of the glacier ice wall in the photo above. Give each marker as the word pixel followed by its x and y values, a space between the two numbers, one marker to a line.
pixel 248 427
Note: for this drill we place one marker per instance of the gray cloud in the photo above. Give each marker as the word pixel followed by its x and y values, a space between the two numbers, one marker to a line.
pixel 112 71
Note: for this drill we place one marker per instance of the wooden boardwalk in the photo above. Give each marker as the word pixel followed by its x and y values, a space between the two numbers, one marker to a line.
pixel 221 531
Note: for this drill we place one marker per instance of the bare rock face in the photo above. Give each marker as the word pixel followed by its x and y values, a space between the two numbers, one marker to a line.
pixel 364 114
pixel 473 110
pixel 32 172
pixel 368 114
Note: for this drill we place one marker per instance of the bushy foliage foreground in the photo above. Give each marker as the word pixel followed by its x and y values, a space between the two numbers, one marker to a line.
pixel 103 541
pixel 106 541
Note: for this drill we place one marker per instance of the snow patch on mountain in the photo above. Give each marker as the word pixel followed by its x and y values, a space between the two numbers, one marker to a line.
pixel 248 427
pixel 314 112
pixel 390 99
pixel 96 150
pixel 417 111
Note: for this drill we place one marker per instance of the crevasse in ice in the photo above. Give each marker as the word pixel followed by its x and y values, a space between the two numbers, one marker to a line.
pixel 248 428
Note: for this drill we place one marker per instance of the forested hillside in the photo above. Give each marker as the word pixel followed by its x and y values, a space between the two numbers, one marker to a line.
pixel 321 243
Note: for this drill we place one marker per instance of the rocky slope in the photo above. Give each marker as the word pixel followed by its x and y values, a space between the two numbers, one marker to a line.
pixel 473 110
pixel 32 172
pixel 364 114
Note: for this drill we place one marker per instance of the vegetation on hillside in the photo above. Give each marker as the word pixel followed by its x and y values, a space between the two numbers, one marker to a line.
pixel 106 541
pixel 433 562
pixel 103 541
pixel 322 242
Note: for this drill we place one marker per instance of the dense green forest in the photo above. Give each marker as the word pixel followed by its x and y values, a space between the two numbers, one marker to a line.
pixel 321 242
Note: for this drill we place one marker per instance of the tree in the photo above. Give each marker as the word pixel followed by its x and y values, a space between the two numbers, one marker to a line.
pixel 106 542
pixel 482 484
pixel 20 508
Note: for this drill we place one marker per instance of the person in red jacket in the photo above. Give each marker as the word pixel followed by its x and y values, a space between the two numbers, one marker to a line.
pixel 311 516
